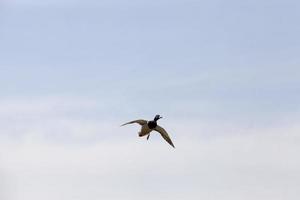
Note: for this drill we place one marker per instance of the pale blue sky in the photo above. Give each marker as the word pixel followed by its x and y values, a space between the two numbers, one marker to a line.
pixel 236 55
pixel 72 71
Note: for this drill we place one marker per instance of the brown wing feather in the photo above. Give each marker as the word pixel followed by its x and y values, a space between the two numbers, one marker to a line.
pixel 139 121
pixel 164 134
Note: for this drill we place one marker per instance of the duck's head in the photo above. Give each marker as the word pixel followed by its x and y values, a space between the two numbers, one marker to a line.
pixel 157 117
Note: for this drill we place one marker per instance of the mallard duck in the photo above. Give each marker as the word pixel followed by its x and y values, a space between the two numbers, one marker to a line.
pixel 148 126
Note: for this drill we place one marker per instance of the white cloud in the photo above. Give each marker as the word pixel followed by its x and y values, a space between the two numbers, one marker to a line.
pixel 260 166
pixel 73 158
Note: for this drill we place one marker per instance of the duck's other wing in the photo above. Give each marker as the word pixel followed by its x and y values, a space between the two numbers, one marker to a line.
pixel 139 121
pixel 164 134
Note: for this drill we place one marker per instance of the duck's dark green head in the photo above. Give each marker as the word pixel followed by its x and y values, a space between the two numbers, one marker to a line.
pixel 157 117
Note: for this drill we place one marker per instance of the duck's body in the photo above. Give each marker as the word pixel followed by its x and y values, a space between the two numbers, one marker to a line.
pixel 152 124
pixel 148 126
pixel 145 130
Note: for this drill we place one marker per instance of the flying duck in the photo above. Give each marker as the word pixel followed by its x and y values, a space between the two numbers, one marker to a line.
pixel 148 126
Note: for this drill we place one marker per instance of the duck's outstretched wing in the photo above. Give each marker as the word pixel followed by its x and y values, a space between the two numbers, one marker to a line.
pixel 139 121
pixel 164 134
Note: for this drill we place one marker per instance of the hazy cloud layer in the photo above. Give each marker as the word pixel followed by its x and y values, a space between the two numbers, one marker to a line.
pixel 51 154
pixel 260 166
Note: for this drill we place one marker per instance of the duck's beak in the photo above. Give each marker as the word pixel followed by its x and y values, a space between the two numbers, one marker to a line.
pixel 160 117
